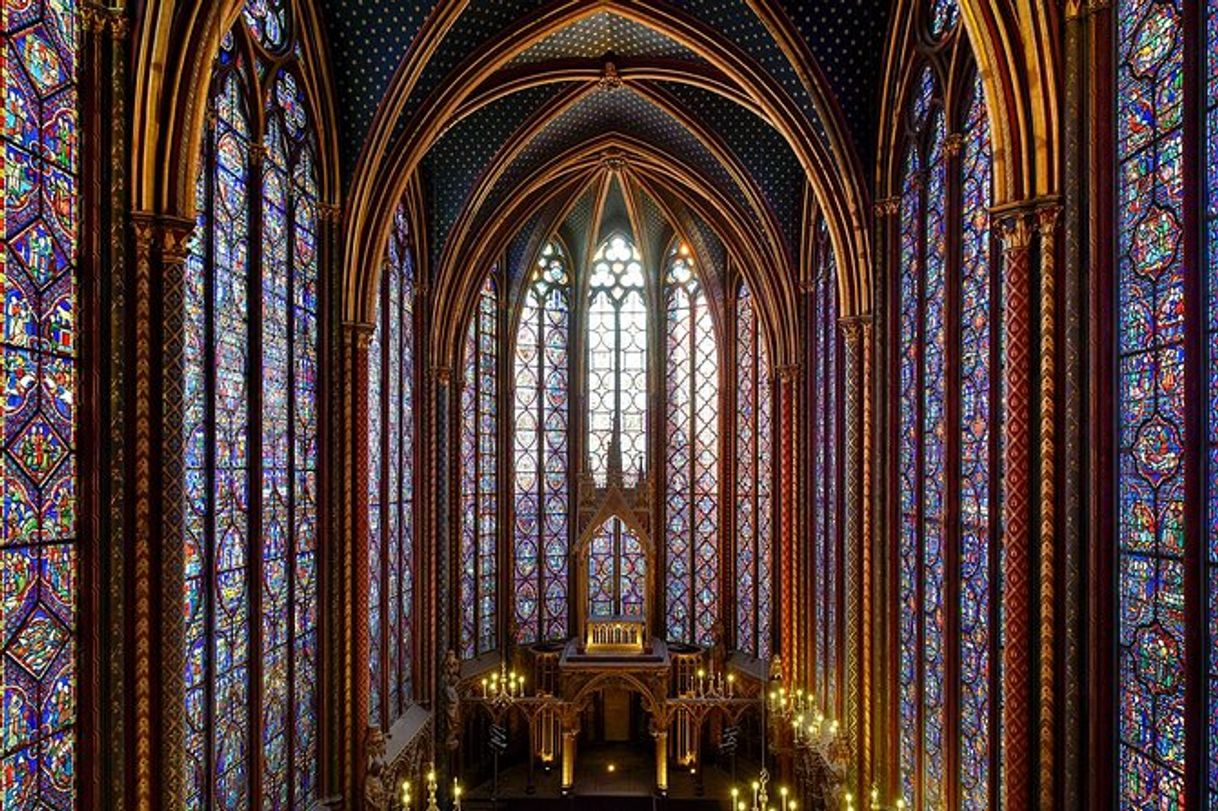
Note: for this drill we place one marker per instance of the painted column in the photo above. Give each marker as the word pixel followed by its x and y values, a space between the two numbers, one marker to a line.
pixel 1046 224
pixel 852 333
pixel 353 605
pixel 1018 743
pixel 161 248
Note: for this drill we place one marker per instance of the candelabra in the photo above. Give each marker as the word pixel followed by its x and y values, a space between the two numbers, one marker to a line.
pixel 432 791
pixel 873 802
pixel 715 685
pixel 503 687
pixel 761 799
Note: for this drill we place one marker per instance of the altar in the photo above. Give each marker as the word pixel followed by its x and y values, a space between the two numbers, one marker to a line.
pixel 616 652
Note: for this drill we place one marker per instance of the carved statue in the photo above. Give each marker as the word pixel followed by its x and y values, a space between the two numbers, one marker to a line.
pixel 776 668
pixel 718 650
pixel 452 700
pixel 376 789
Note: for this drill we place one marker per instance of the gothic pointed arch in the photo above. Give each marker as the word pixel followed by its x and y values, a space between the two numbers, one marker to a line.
pixel 251 401
pixel 945 373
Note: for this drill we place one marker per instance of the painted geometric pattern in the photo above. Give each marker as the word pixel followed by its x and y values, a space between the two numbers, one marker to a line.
pixel 479 460
pixel 390 482
pixel 754 482
pixel 692 470
pixel 38 244
pixel 541 451
pixel 1150 388
pixel 617 362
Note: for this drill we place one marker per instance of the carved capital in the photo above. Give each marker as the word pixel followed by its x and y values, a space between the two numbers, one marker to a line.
pixel 174 235
pixel 329 212
pixel 952 144
pixel 441 375
pixel 1047 216
pixel 1014 229
pixel 358 333
pixel 788 373
pixel 887 207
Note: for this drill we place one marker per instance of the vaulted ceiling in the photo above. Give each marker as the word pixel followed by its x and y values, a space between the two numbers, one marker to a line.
pixel 700 142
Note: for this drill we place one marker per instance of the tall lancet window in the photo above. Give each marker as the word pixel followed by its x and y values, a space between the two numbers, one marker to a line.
pixel 692 463
pixel 617 363
pixel 251 437
pixel 38 244
pixel 542 502
pixel 826 404
pixel 754 482
pixel 479 476
pixel 1166 136
pixel 391 386
pixel 948 350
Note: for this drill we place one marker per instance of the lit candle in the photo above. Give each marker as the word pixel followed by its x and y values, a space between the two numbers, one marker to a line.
pixel 731 679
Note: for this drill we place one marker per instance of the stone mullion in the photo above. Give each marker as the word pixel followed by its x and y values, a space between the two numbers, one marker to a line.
pixel 114 282
pixel 352 737
pixel 332 544
pixel 444 401
pixel 1018 744
pixel 788 595
pixel 852 333
pixel 886 773
pixel 90 398
pixel 805 541
pixel 1072 718
pixel 423 611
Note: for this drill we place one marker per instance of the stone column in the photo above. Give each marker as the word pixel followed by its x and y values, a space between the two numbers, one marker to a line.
pixel 852 569
pixel 661 737
pixel 351 613
pixel 1046 224
pixel 1018 744
pixel 157 493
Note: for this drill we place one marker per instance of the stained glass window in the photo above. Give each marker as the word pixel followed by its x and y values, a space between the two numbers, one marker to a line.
pixel 542 503
pixel 617 571
pixel 692 469
pixel 1150 389
pixel 754 481
pixel 825 403
pixel 978 316
pixel 38 230
pixel 617 363
pixel 943 15
pixel 479 477
pixel 935 477
pixel 391 483
pixel 251 509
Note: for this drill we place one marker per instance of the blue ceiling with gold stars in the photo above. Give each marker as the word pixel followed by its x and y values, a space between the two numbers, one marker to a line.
pixel 731 151
pixel 369 39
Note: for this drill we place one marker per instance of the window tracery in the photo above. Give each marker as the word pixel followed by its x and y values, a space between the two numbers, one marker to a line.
pixel 542 500
pixel 391 424
pixel 251 439
pixel 948 377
